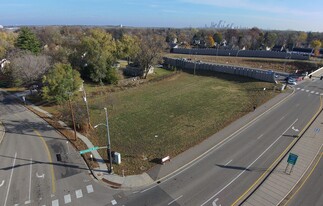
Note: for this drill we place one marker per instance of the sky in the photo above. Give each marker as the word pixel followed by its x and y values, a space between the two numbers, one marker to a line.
pixel 301 15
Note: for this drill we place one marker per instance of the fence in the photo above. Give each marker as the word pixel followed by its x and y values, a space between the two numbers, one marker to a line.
pixel 258 74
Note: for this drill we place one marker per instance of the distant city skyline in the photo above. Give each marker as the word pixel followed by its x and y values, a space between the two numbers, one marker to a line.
pixel 274 14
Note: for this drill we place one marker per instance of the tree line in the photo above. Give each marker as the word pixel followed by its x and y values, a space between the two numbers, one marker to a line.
pixel 59 57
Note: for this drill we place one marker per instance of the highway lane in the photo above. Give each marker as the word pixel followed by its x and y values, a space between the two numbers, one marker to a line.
pixel 232 167
pixel 311 191
pixel 30 174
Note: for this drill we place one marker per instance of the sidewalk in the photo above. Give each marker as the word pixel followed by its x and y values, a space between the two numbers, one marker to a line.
pixel 280 183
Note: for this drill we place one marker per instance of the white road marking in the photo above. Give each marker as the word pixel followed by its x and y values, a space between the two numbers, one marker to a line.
pixel 214 202
pixel 13 167
pixel 89 189
pixel 175 200
pixel 31 164
pixel 312 92
pixel 27 202
pixel 79 193
pixel 260 136
pixel 241 173
pixel 2 183
pixel 317 93
pixel 302 89
pixel 113 202
pixel 298 88
pixel 228 163
pixel 282 117
pixel 307 90
pixel 55 203
pixel 148 188
pixel 67 198
pixel 296 130
pixel 40 176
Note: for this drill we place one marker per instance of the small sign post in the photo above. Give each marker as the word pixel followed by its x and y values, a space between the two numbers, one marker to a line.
pixel 292 159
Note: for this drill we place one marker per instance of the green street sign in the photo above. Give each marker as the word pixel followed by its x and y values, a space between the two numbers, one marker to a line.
pixel 292 158
pixel 88 150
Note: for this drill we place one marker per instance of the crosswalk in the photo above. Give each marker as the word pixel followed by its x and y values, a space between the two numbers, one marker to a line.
pixel 68 198
pixel 309 91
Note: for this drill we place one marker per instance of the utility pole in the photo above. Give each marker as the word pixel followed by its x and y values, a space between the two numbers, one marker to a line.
pixel 72 113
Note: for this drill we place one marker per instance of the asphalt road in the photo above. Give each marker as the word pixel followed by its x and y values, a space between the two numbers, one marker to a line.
pixel 224 174
pixel 30 173
pixel 311 192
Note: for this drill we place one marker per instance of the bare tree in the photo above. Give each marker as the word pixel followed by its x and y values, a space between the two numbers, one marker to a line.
pixel 28 68
pixel 150 51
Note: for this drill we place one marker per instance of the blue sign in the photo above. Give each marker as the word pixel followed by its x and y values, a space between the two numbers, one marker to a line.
pixel 292 158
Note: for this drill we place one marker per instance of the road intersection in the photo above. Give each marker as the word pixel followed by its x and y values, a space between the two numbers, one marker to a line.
pixel 218 173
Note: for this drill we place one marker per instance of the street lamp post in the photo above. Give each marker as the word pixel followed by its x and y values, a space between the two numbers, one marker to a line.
pixel 108 139
pixel 108 136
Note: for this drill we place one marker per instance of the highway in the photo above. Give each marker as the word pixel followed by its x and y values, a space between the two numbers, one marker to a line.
pixel 224 174
pixel 30 173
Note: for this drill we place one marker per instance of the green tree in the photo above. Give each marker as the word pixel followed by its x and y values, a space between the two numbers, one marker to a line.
pixel 218 37
pixel 60 83
pixel 270 39
pixel 27 40
pixel 127 47
pixel 97 54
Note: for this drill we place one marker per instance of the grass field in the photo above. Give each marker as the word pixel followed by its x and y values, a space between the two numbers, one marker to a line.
pixel 169 116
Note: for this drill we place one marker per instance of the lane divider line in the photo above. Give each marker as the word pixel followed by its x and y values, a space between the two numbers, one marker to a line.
pixel 13 167
pixel 271 167
pixel 50 160
pixel 241 173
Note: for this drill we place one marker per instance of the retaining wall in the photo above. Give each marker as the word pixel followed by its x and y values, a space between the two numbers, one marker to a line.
pixel 263 75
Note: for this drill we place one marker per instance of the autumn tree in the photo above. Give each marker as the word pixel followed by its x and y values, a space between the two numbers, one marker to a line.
pixel 7 41
pixel 316 45
pixel 60 83
pixel 27 40
pixel 150 51
pixel 209 41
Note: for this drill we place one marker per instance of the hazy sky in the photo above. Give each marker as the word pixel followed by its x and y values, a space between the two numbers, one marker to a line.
pixel 303 15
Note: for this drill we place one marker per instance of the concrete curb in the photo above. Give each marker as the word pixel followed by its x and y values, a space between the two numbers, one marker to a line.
pixel 2 131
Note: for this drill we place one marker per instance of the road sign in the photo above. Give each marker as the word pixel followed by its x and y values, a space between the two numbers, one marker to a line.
pixel 292 158
pixel 88 150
